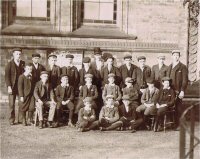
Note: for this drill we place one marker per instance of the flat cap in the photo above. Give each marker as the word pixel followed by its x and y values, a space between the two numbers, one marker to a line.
pixel 44 72
pixel 86 60
pixel 166 79
pixel 150 80
pixel 129 80
pixel 98 51
pixel 125 97
pixel 52 55
pixel 128 56
pixel 70 56
pixel 161 56
pixel 141 57
pixel 16 49
pixel 88 75
pixel 106 56
pixel 64 75
pixel 109 96
pixel 88 99
pixel 176 51
pixel 36 55
pixel 111 75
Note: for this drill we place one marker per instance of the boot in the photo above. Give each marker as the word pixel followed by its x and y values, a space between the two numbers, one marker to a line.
pixel 30 118
pixel 24 123
pixel 41 124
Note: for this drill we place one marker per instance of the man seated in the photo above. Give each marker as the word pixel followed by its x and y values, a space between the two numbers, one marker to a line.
pixel 128 115
pixel 86 116
pixel 148 100
pixel 112 89
pixel 165 100
pixel 109 115
pixel 65 97
pixel 132 90
pixel 44 96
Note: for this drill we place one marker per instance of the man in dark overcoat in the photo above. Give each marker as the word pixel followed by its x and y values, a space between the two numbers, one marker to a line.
pixel 13 70
pixel 178 72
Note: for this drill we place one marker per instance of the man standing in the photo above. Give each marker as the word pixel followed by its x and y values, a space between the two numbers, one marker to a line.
pixel 71 71
pixel 53 71
pixel 13 70
pixel 178 72
pixel 159 71
pixel 127 69
pixel 142 73
pixel 37 68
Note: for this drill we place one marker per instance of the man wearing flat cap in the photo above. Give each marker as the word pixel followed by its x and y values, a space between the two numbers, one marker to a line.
pixel 159 71
pixel 178 72
pixel 148 100
pixel 71 71
pixel 87 69
pixel 45 99
pixel 53 70
pixel 141 73
pixel 127 69
pixel 37 68
pixel 88 90
pixel 112 89
pixel 108 69
pixel 65 97
pixel 166 100
pixel 13 70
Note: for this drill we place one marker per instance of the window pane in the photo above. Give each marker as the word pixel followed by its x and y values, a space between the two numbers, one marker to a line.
pixel 24 8
pixel 91 10
pixel 39 8
pixel 106 11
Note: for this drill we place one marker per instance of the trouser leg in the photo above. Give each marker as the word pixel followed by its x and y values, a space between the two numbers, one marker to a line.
pixel 39 108
pixel 52 110
pixel 115 125
pixel 12 99
pixel 94 125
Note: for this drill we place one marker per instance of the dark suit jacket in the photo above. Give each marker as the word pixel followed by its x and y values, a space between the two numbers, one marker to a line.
pixel 91 92
pixel 130 115
pixel 179 76
pixel 124 73
pixel 54 76
pixel 11 73
pixel 82 73
pixel 25 86
pixel 73 76
pixel 141 77
pixel 39 91
pixel 36 72
pixel 105 72
pixel 60 93
pixel 166 96
pixel 157 74
pixel 112 113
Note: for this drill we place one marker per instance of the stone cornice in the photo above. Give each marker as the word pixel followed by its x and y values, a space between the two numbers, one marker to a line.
pixel 32 42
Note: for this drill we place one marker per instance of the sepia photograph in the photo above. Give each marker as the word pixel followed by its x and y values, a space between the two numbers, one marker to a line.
pixel 100 79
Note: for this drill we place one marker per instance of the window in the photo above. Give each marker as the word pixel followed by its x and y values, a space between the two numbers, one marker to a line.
pixel 99 11
pixel 33 9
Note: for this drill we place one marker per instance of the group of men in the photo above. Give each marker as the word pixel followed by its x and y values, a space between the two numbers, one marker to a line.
pixel 104 96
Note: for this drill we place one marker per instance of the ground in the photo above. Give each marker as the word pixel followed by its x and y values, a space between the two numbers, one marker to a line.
pixel 19 142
